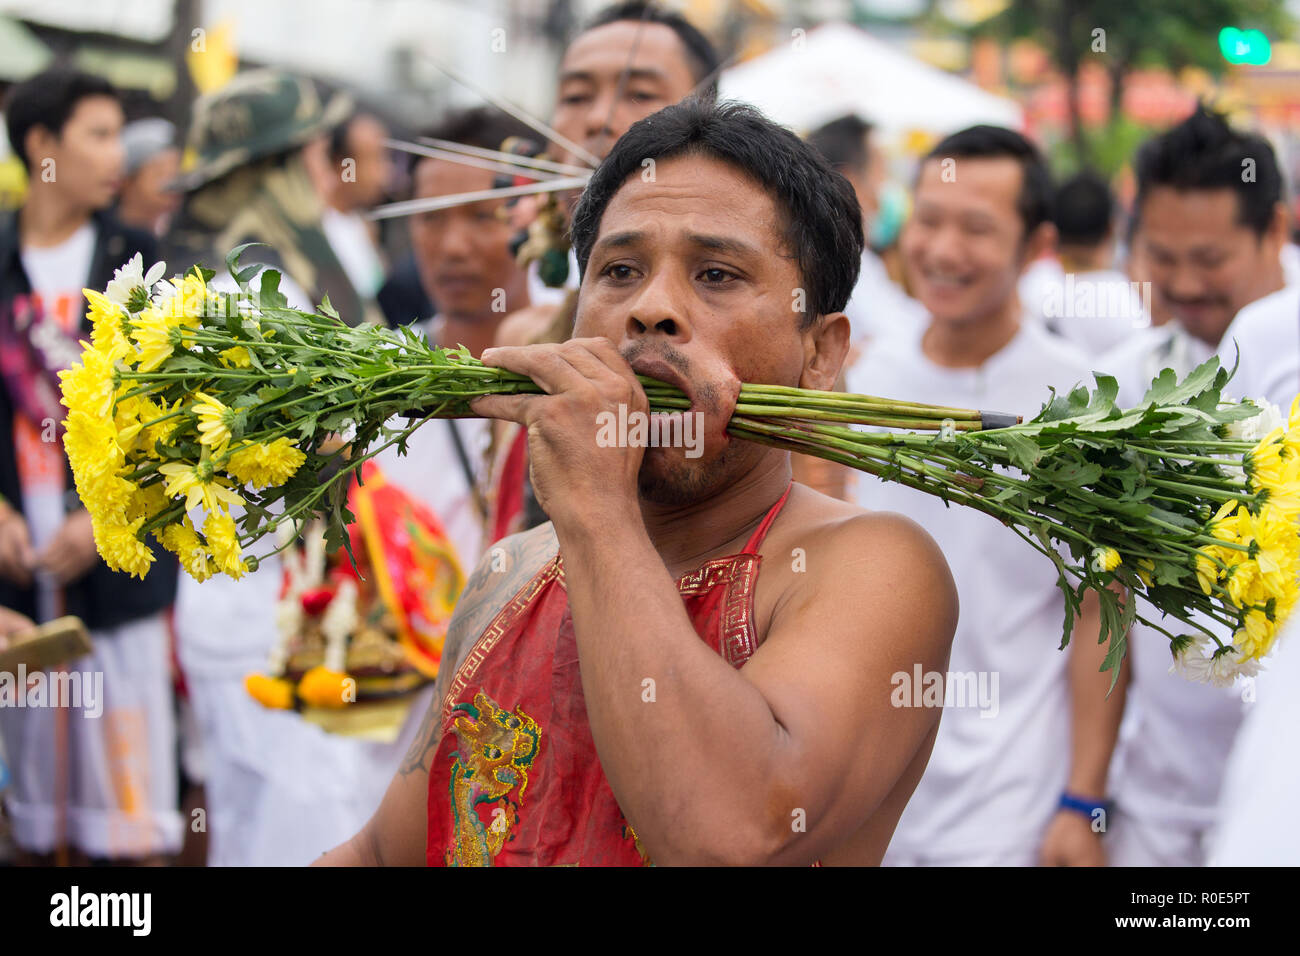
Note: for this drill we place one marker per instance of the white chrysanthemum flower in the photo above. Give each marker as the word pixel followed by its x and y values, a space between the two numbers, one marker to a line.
pixel 1261 425
pixel 131 277
pixel 1221 668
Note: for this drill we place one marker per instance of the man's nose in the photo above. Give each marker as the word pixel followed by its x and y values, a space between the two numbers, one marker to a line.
pixel 945 247
pixel 457 240
pixel 598 130
pixel 659 309
pixel 1186 282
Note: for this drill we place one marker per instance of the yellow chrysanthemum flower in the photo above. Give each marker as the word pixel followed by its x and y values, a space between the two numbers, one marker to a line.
pixel 1207 571
pixel 107 322
pixel 91 444
pixel 1244 585
pixel 262 466
pixel 200 485
pixel 89 385
pixel 1275 543
pixel 147 502
pixel 1224 524
pixel 121 548
pixel 1105 559
pixel 159 431
pixel 236 357
pixel 189 303
pixel 1146 566
pixel 183 541
pixel 215 420
pixel 1263 463
pixel 155 339
pixel 1257 633
pixel 1282 492
pixel 223 540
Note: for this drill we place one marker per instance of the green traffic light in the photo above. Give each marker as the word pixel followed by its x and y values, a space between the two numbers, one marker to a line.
pixel 1244 46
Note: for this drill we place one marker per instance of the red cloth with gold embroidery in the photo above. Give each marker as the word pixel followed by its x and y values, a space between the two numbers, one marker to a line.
pixel 516 780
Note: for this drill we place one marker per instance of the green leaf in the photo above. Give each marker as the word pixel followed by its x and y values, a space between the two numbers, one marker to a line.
pixel 1022 451
pixel 269 295
pixel 308 428
pixel 241 276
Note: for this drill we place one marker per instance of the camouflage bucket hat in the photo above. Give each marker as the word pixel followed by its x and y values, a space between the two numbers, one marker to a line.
pixel 257 114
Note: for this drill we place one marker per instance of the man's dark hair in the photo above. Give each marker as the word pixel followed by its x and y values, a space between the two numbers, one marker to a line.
pixel 483 127
pixel 1204 152
pixel 1083 210
pixel 996 142
pixel 700 53
pixel 843 141
pixel 822 219
pixel 48 99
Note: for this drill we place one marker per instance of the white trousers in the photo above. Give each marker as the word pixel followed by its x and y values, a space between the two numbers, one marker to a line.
pixel 105 783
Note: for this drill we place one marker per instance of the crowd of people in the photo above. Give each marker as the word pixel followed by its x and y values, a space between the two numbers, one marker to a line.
pixel 1001 285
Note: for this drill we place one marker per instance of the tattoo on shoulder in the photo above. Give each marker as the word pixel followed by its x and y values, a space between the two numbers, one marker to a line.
pixel 503 570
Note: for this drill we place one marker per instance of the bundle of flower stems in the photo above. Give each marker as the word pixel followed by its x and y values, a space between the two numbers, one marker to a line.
pixel 207 420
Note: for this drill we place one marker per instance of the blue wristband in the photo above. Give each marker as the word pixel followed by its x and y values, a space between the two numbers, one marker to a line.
pixel 1086 807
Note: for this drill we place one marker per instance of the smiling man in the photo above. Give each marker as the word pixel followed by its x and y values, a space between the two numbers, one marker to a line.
pixel 1016 780
pixel 622 684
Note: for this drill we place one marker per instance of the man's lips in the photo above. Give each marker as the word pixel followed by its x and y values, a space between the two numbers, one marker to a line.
pixel 661 370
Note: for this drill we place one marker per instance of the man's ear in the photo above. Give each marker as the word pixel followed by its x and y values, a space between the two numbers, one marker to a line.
pixel 38 144
pixel 1042 240
pixel 824 347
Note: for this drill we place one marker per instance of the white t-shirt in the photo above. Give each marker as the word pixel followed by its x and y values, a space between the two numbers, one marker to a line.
pixel 57 275
pixel 1176 733
pixel 349 237
pixel 995 775
pixel 1097 310
pixel 879 307
pixel 1267 333
pixel 1035 285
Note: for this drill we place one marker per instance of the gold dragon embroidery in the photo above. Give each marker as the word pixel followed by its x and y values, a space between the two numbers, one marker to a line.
pixel 490 766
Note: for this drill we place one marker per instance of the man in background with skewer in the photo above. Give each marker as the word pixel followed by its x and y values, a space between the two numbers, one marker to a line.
pixel 631 60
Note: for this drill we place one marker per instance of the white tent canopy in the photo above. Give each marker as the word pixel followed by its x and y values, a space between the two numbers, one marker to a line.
pixel 837 69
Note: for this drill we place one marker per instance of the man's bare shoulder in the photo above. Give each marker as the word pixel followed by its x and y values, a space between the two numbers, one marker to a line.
pixel 836 548
pixel 838 523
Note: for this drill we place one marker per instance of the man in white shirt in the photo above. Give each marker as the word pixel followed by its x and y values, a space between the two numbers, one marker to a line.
pixel 1208 240
pixel 100 778
pixel 1007 748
